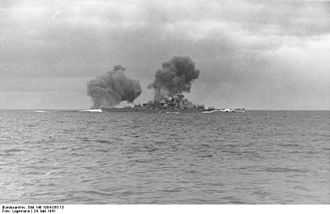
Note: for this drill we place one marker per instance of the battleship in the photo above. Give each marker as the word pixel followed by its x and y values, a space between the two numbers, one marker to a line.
pixel 174 104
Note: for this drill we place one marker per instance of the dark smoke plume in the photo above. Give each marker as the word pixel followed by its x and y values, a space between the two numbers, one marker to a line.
pixel 112 88
pixel 175 77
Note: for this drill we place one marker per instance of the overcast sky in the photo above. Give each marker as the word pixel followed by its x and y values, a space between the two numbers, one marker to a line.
pixel 256 54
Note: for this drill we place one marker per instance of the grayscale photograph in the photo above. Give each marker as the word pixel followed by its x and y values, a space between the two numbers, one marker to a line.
pixel 164 102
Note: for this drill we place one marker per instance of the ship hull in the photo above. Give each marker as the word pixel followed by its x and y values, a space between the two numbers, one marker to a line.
pixel 167 110
pixel 152 110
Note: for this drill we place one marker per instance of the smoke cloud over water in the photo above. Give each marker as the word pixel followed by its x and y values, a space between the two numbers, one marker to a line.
pixel 112 88
pixel 175 77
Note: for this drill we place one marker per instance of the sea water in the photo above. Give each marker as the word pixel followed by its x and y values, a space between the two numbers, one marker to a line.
pixel 92 157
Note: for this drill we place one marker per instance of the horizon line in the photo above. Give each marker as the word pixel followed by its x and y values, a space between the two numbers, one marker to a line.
pixel 78 109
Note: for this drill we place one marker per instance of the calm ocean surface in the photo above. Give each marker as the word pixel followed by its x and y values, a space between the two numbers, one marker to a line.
pixel 82 157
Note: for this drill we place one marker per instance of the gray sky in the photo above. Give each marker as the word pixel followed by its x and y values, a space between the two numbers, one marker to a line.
pixel 255 54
